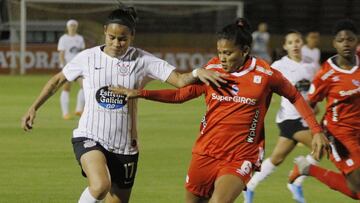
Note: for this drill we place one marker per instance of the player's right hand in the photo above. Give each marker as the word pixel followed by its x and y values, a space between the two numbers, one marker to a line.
pixel 27 120
pixel 129 93
pixel 209 76
pixel 320 146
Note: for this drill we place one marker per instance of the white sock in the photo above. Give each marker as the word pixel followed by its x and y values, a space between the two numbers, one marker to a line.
pixel 267 168
pixel 64 102
pixel 300 180
pixel 86 197
pixel 80 101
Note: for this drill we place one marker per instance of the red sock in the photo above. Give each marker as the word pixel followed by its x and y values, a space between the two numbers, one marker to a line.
pixel 335 181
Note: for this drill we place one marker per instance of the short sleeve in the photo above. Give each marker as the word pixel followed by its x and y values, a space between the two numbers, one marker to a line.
pixel 61 44
pixel 75 67
pixel 318 89
pixel 156 68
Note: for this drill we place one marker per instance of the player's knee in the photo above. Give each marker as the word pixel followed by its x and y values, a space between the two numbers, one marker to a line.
pixel 277 160
pixel 100 189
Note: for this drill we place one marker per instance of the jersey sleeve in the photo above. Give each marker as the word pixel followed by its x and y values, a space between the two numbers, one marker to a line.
pixel 157 68
pixel 61 44
pixel 75 67
pixel 283 87
pixel 174 95
pixel 318 89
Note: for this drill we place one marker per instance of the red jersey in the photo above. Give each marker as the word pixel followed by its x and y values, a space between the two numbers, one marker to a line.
pixel 233 126
pixel 341 88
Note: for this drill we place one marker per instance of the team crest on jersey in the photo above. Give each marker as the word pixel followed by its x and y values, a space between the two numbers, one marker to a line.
pixel 123 68
pixel 312 89
pixel 108 99
pixel 356 82
pixel 234 89
pixel 257 79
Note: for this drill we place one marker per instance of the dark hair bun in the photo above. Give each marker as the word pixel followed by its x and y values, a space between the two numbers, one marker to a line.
pixel 244 23
pixel 131 12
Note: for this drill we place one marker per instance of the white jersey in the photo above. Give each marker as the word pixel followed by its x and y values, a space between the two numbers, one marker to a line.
pixel 108 118
pixel 300 75
pixel 260 45
pixel 311 56
pixel 71 45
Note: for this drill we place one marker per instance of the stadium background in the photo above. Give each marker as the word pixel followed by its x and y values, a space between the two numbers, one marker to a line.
pixel 40 167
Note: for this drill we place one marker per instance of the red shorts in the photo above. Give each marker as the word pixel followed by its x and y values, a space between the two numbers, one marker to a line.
pixel 204 170
pixel 345 152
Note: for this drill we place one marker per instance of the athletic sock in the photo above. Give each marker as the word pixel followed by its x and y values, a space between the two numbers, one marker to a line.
pixel 300 180
pixel 335 181
pixel 86 197
pixel 80 101
pixel 64 102
pixel 267 168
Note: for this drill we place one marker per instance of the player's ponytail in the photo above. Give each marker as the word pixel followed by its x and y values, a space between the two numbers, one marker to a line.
pixel 238 32
pixel 243 24
pixel 124 16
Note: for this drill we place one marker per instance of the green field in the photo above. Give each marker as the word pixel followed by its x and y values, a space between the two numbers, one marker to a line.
pixel 40 166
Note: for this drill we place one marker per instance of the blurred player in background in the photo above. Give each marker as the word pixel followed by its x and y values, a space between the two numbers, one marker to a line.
pixel 230 145
pixel 69 45
pixel 338 82
pixel 310 51
pixel 105 142
pixel 261 38
pixel 293 128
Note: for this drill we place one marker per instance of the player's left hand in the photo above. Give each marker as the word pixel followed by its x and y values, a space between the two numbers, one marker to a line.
pixel 208 76
pixel 320 145
pixel 129 93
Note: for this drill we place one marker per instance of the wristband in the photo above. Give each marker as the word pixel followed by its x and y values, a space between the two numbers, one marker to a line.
pixel 195 73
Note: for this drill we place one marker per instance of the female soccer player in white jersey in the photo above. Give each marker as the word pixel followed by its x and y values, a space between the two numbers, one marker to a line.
pixel 69 45
pixel 293 129
pixel 105 142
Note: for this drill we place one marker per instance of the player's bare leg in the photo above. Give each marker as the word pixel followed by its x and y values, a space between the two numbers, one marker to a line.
pixel 304 137
pixel 94 165
pixel 283 147
pixel 353 180
pixel 118 195
pixel 65 100
pixel 227 189
pixel 191 198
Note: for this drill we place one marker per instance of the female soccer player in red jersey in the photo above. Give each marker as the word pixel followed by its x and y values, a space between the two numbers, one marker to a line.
pixel 231 141
pixel 339 83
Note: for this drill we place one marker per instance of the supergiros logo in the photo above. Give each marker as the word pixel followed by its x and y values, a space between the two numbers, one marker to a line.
pixel 108 99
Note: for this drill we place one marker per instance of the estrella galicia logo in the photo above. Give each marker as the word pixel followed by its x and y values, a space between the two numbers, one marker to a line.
pixel 108 99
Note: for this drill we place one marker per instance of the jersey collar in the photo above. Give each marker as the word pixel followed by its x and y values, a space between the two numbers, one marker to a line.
pixel 337 68
pixel 248 66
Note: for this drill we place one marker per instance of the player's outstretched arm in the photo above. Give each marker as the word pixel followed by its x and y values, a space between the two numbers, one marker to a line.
pixel 130 93
pixel 206 76
pixel 284 88
pixel 166 95
pixel 49 89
